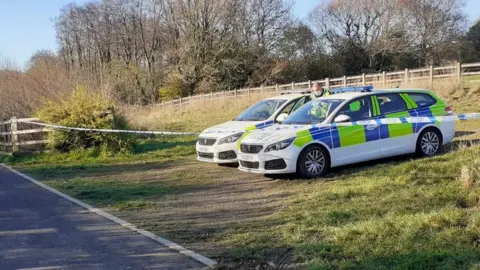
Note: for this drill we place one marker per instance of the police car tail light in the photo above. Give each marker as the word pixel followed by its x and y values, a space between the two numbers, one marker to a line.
pixel 448 111
pixel 279 145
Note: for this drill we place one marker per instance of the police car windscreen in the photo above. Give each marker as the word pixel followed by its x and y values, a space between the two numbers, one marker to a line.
pixel 261 110
pixel 315 111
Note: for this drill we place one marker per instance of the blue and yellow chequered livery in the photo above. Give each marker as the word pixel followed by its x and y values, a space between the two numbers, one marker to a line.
pixel 348 128
pixel 335 136
pixel 403 123
pixel 260 125
pixel 250 129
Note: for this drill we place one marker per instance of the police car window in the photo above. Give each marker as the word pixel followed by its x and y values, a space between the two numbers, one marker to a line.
pixel 422 100
pixel 261 110
pixel 289 107
pixel 358 109
pixel 299 103
pixel 313 112
pixel 391 103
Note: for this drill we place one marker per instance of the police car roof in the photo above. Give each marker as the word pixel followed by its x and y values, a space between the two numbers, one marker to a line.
pixel 353 94
pixel 287 96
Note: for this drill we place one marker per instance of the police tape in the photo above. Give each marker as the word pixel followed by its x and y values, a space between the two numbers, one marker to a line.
pixel 110 130
pixel 379 121
pixel 412 120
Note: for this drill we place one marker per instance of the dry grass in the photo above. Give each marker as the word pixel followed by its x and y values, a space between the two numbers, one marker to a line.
pixel 470 174
pixel 203 114
pixel 195 117
pixel 415 213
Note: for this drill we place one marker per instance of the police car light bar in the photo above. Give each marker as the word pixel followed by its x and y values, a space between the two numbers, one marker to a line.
pixel 304 91
pixel 367 88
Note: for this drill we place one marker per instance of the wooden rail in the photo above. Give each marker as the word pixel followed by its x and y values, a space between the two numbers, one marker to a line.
pixel 382 79
pixel 12 138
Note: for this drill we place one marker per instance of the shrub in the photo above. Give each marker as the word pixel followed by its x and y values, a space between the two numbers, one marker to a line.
pixel 172 88
pixel 85 110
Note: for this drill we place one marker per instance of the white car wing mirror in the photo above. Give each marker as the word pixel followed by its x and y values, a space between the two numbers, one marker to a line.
pixel 342 118
pixel 281 117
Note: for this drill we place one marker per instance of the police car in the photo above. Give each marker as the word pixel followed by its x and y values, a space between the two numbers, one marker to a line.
pixel 318 135
pixel 218 144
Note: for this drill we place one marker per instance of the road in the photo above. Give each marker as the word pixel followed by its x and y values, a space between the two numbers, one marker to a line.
pixel 39 229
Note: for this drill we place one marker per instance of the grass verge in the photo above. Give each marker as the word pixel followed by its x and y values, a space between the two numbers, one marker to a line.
pixel 402 213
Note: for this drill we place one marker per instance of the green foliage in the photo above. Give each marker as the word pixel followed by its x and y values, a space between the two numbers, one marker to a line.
pixel 85 110
pixel 173 87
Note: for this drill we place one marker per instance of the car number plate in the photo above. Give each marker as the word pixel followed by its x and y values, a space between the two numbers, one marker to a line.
pixel 246 157
pixel 203 149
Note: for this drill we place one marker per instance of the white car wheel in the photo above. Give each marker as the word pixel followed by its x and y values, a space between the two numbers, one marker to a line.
pixel 313 162
pixel 429 142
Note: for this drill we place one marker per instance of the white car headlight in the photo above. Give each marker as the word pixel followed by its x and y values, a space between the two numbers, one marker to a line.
pixel 280 145
pixel 231 138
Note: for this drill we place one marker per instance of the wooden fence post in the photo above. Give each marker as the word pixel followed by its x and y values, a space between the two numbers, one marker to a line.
pixel 277 89
pixel 181 106
pixel 235 93
pixel 211 95
pixel 384 78
pixel 431 76
pixel 262 89
pixel 459 70
pixel 327 83
pixel 363 79
pixel 13 130
pixel 293 86
pixel 406 76
pixel 309 84
pixel 248 93
pixel 4 136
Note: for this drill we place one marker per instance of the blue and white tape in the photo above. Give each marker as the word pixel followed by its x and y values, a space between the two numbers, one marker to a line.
pixel 111 130
pixel 412 120
pixel 381 121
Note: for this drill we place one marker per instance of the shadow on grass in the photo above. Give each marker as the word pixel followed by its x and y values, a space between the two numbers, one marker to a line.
pixel 162 144
pixel 459 134
pixel 456 145
pixel 345 169
pixel 328 256
pixel 108 187
pixel 461 259
pixel 68 173
pixel 120 195
pixel 357 167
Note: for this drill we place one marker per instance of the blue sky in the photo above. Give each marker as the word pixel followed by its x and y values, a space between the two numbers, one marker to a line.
pixel 26 25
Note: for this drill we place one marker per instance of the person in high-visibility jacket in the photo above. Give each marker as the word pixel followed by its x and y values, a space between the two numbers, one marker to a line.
pixel 318 91
pixel 318 111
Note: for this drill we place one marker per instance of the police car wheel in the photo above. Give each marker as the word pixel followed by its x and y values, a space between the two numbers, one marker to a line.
pixel 313 162
pixel 429 142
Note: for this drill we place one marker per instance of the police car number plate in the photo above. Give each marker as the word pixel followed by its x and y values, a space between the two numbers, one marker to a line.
pixel 245 157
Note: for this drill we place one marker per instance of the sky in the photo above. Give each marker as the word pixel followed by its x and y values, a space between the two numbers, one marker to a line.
pixel 26 26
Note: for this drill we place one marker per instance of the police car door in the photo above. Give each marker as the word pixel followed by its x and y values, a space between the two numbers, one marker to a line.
pixel 356 143
pixel 395 139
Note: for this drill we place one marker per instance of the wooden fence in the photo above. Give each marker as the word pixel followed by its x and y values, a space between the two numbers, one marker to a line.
pixel 17 136
pixel 383 79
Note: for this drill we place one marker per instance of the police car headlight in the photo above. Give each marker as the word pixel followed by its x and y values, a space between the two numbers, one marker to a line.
pixel 279 145
pixel 231 138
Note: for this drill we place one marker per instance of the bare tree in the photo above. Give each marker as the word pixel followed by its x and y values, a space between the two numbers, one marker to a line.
pixel 434 25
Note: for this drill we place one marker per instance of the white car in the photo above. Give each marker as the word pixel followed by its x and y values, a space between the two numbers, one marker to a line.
pixel 218 144
pixel 310 140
